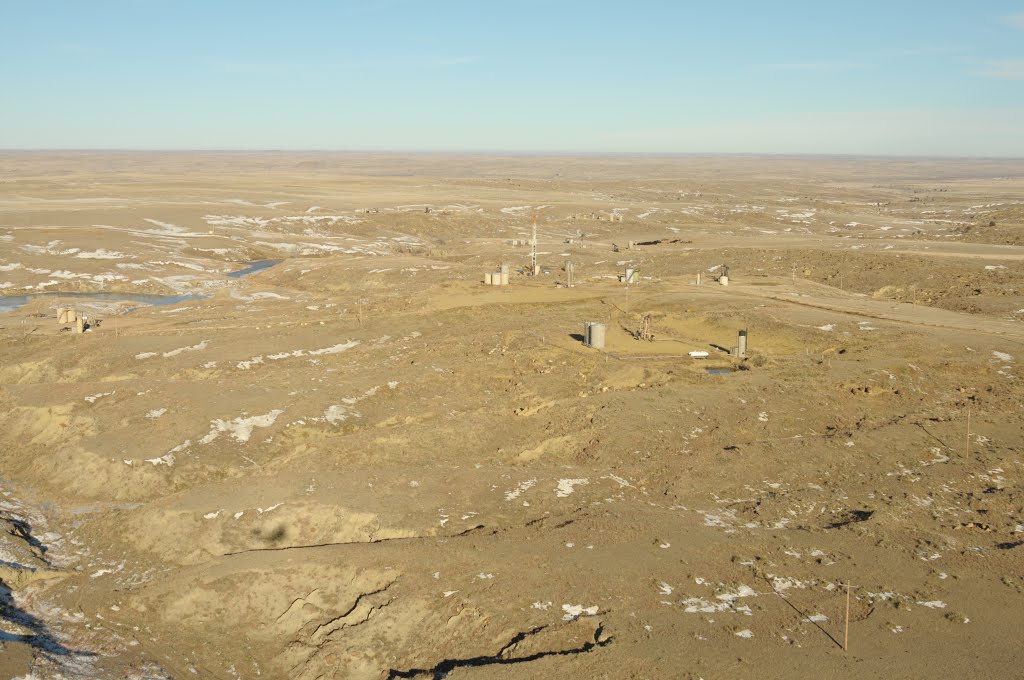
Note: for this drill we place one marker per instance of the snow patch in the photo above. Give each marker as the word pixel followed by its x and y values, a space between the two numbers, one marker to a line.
pixel 523 486
pixel 575 611
pixel 174 352
pixel 567 486
pixel 334 349
pixel 240 428
pixel 337 414
pixel 100 254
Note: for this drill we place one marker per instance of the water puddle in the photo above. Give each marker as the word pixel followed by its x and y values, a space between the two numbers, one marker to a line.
pixel 257 266
pixel 9 303
pixel 720 371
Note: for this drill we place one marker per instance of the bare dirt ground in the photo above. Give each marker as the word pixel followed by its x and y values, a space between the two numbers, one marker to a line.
pixel 364 463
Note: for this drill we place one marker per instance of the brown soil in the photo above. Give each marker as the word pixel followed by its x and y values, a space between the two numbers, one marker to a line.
pixel 364 463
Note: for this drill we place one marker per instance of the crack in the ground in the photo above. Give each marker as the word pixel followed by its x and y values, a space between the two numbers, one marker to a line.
pixel 351 609
pixel 311 645
pixel 296 601
pixel 539 521
pixel 339 543
pixel 442 669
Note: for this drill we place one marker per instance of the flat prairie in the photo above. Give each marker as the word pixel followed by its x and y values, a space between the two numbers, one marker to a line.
pixel 301 437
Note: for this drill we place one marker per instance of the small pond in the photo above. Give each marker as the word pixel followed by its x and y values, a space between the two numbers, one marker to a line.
pixel 257 266
pixel 8 303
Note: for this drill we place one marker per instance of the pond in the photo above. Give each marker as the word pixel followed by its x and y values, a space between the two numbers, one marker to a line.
pixel 8 303
pixel 257 266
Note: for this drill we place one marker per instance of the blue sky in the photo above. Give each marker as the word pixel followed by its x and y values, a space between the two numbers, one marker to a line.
pixel 858 77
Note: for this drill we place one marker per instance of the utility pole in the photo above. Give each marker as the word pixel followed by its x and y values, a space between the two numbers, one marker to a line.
pixel 533 247
pixel 846 629
pixel 967 449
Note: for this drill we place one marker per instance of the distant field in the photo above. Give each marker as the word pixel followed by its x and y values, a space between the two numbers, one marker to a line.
pixel 362 462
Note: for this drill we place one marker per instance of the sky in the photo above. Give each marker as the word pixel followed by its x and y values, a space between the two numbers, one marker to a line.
pixel 900 77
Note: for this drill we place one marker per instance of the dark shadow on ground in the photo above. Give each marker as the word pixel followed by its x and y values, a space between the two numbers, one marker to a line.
pixel 39 637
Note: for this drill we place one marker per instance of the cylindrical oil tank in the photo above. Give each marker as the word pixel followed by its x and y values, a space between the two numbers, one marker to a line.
pixel 596 334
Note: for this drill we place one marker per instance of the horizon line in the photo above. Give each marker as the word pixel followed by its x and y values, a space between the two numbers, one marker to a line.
pixel 506 152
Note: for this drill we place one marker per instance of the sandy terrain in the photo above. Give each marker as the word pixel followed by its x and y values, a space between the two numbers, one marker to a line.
pixel 361 462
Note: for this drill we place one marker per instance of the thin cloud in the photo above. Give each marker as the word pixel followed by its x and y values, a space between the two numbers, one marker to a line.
pixel 1001 69
pixel 1015 20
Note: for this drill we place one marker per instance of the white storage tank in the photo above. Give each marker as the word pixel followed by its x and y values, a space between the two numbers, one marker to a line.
pixel 594 334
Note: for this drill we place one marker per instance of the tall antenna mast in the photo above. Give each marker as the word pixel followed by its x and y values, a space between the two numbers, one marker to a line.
pixel 533 247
